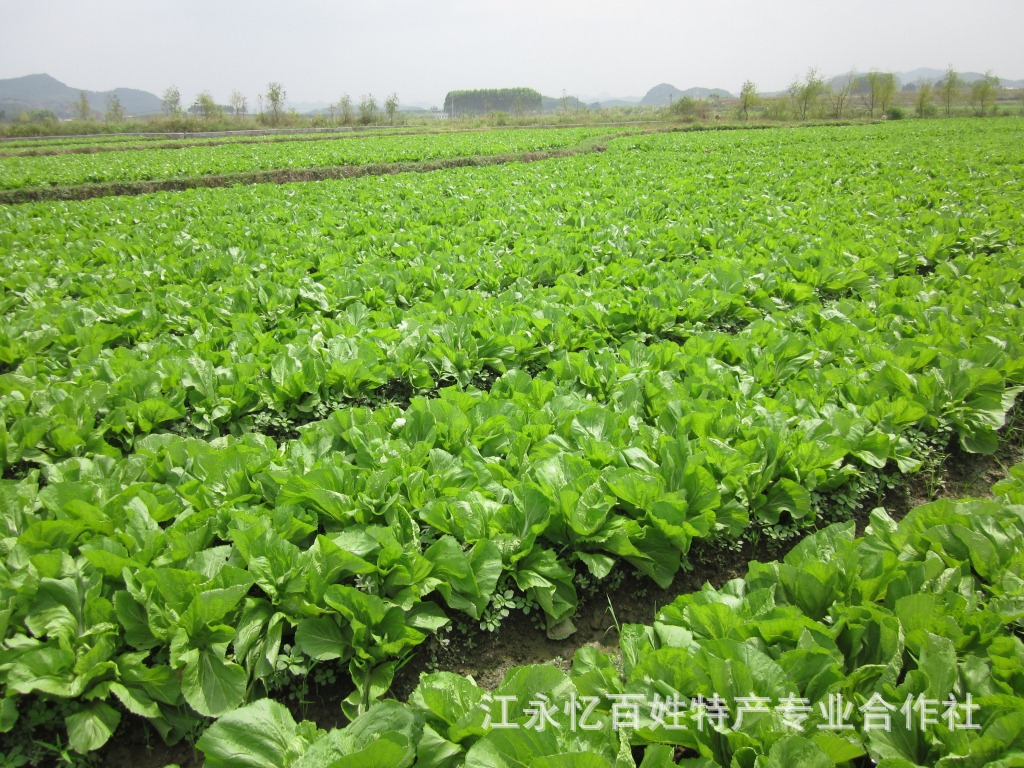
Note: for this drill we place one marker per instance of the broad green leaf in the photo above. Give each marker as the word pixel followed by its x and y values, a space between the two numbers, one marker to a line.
pixel 785 496
pixel 321 638
pixel 258 735
pixel 792 751
pixel 211 684
pixel 8 714
pixel 938 661
pixel 446 698
pixel 92 726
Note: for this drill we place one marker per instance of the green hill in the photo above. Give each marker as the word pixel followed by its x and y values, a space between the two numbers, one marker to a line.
pixel 32 92
pixel 664 94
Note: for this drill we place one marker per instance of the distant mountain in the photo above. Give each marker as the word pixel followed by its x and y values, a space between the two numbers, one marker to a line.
pixel 562 103
pixel 20 94
pixel 922 75
pixel 926 75
pixel 606 99
pixel 310 107
pixel 626 101
pixel 664 94
pixel 425 106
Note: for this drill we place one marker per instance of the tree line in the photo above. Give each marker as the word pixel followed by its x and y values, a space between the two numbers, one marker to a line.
pixel 809 97
pixel 271 107
pixel 876 93
pixel 481 101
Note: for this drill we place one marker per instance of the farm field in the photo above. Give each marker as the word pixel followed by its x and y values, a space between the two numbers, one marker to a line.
pixel 176 163
pixel 113 140
pixel 911 623
pixel 251 434
pixel 120 142
pixel 95 140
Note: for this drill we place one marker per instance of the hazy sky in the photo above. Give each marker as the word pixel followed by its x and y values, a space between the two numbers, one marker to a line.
pixel 420 49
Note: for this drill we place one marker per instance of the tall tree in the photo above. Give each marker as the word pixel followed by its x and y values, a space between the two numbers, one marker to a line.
pixel 368 109
pixel 115 111
pixel 806 93
pixel 949 90
pixel 563 102
pixel 748 98
pixel 82 109
pixel 881 87
pixel 886 90
pixel 391 107
pixel 239 104
pixel 172 101
pixel 345 109
pixel 205 105
pixel 274 101
pixel 983 93
pixel 923 99
pixel 838 96
pixel 517 105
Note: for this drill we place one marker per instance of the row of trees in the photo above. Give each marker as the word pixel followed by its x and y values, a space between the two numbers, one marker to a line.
pixel 366 112
pixel 514 101
pixel 873 94
pixel 805 98
pixel 271 105
pixel 876 92
pixel 206 106
pixel 81 109
pixel 114 112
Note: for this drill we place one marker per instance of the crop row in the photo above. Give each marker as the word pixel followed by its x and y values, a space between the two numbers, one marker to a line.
pixel 161 164
pixel 484 380
pixel 61 142
pixel 901 646
pixel 113 140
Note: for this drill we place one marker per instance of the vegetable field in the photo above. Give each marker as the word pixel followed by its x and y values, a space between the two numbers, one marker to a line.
pixel 184 162
pixel 116 141
pixel 254 432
